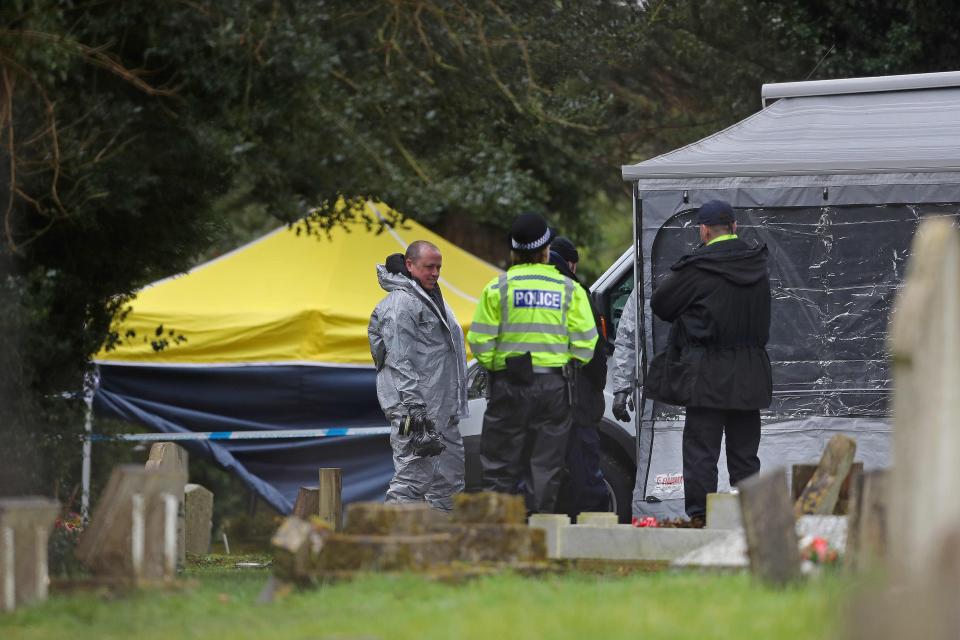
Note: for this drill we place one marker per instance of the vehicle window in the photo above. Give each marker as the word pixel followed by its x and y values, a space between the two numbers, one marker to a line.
pixel 618 299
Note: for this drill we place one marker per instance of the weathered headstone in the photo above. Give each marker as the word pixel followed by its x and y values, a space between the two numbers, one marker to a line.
pixel 801 474
pixel 509 543
pixel 597 518
pixel 132 535
pixel 308 502
pixel 24 528
pixel 296 545
pixel 770 528
pixel 198 519
pixel 330 497
pixel 820 495
pixel 723 511
pixel 491 527
pixel 867 536
pixel 925 346
pixel 922 512
pixel 551 524
pixel 377 518
pixel 351 552
pixel 169 457
pixel 917 609
pixel 489 508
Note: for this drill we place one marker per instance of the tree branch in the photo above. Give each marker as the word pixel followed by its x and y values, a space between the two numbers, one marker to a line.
pixel 8 85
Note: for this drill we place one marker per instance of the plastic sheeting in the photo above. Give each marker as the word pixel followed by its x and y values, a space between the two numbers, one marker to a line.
pixel 782 444
pixel 835 272
pixel 182 399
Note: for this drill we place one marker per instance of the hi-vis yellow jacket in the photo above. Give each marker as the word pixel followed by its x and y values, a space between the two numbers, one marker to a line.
pixel 532 307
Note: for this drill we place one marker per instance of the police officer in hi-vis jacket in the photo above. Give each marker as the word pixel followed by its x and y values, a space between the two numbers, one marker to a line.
pixel 530 323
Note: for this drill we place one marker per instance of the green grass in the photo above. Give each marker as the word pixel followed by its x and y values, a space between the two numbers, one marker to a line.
pixel 222 605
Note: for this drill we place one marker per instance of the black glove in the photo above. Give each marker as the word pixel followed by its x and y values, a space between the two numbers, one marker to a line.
pixel 427 442
pixel 424 440
pixel 621 400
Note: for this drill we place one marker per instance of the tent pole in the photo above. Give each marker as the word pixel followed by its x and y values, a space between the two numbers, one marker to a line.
pixel 89 386
pixel 639 330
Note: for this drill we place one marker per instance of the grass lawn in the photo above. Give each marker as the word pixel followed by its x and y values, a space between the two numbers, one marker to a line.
pixel 222 606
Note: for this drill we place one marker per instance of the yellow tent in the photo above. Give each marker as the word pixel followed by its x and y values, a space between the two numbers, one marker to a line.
pixel 286 299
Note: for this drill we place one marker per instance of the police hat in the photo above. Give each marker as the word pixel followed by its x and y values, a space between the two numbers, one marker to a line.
pixel 530 232
pixel 565 249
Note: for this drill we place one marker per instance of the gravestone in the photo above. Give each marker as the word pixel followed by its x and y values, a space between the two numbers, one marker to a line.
pixel 502 543
pixel 924 609
pixel 172 458
pixel 598 518
pixel 801 474
pixel 350 552
pixel 723 511
pixel 488 507
pixel 169 457
pixel 330 497
pixel 377 518
pixel 867 538
pixel 308 502
pixel 820 495
pixel 770 528
pixel 551 524
pixel 296 545
pixel 132 535
pixel 198 519
pixel 491 528
pixel 25 524
pixel 924 341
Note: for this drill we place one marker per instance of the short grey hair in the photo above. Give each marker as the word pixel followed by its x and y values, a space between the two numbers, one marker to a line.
pixel 416 249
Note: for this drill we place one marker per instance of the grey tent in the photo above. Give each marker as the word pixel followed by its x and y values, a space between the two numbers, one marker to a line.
pixel 834 176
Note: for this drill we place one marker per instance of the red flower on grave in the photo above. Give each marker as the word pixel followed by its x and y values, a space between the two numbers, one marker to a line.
pixel 647 521
pixel 819 551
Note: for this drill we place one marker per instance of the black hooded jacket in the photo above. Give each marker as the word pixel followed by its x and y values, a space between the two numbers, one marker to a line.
pixel 590 403
pixel 718 299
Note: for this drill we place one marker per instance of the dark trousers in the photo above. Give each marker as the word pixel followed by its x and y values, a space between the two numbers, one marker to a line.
pixel 585 483
pixel 702 435
pixel 525 430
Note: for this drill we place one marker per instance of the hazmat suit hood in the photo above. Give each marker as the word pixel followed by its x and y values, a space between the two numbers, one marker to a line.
pixel 390 279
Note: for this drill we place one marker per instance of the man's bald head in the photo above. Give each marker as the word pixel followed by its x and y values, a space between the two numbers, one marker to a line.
pixel 417 247
pixel 423 261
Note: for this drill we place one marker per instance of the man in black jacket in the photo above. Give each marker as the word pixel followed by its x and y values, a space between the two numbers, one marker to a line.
pixel 716 363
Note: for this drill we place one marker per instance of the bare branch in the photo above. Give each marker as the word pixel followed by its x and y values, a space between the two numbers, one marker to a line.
pixel 96 56
pixel 521 44
pixel 8 84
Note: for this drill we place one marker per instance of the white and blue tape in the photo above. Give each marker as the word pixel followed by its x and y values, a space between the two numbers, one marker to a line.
pixel 242 435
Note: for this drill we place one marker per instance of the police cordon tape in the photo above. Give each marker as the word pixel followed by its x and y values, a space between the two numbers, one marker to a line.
pixel 240 435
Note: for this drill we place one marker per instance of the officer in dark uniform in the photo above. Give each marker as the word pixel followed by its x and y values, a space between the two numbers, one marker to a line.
pixel 586 490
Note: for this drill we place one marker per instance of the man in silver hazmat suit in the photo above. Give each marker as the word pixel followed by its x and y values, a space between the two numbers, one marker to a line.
pixel 624 360
pixel 418 348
